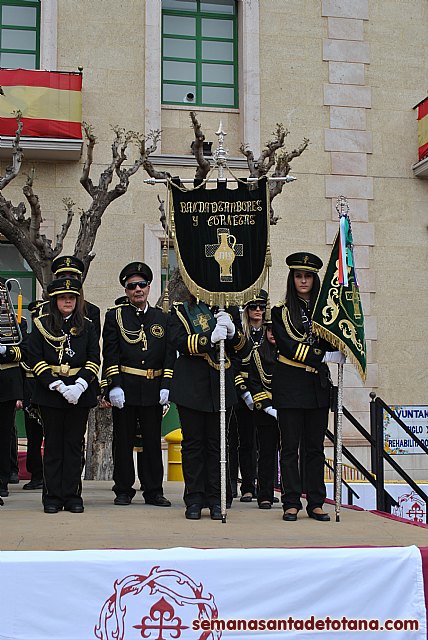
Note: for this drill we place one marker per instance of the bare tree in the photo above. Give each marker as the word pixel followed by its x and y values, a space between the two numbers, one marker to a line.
pixel 24 231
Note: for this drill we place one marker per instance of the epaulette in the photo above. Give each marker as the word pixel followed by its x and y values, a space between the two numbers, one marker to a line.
pixel 281 303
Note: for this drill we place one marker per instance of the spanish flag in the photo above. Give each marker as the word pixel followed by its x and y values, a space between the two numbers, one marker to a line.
pixel 423 128
pixel 50 103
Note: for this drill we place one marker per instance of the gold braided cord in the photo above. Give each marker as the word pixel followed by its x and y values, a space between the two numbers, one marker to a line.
pixel 140 333
pixel 182 187
pixel 300 337
pixel 264 377
pixel 183 318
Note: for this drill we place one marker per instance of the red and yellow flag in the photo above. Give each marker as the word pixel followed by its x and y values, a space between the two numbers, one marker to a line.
pixel 423 128
pixel 50 103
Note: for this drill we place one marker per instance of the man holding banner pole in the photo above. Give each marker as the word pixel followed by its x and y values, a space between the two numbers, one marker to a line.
pixel 221 240
pixel 338 317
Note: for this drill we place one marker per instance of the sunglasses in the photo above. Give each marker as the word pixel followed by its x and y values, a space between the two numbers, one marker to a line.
pixel 133 285
pixel 255 306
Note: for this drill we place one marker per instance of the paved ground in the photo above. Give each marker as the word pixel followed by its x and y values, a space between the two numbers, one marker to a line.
pixel 24 526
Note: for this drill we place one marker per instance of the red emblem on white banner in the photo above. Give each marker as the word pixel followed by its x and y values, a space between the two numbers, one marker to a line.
pixel 160 606
pixel 411 507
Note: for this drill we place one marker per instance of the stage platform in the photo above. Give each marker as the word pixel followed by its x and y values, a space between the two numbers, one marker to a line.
pixel 25 527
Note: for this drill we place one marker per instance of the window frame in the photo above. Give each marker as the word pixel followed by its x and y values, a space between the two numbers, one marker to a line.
pixel 37 29
pixel 198 38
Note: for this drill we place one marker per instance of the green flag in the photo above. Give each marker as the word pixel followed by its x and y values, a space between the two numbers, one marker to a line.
pixel 338 314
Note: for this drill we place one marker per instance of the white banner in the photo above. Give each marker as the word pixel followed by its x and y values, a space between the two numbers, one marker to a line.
pixel 235 594
pixel 410 505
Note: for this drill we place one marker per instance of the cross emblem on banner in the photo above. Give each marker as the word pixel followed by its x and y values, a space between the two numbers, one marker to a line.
pixel 162 619
pixel 354 297
pixel 224 253
pixel 202 321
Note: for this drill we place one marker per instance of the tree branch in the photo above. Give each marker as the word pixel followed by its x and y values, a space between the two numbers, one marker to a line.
pixel 198 149
pixel 17 154
pixel 85 180
pixel 68 206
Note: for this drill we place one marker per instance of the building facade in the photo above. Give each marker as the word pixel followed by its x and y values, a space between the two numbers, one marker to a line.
pixel 344 73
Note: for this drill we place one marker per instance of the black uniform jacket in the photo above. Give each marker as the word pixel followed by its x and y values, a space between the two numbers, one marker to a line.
pixel 303 382
pixel 260 384
pixel 242 365
pixel 135 355
pixel 11 384
pixel 91 311
pixel 196 381
pixel 45 361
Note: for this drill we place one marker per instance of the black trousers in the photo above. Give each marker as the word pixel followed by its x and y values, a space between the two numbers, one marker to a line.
pixel 268 439
pixel 124 431
pixel 200 451
pixel 34 431
pixel 7 426
pixel 247 451
pixel 308 425
pixel 62 461
pixel 14 464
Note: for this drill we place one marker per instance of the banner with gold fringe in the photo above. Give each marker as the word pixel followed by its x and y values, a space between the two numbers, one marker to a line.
pixel 338 315
pixel 221 239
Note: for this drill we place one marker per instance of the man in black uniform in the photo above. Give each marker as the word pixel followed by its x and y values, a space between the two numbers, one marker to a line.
pixel 138 370
pixel 11 390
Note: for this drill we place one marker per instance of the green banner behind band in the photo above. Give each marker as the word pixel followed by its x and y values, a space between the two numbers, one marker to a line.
pixel 338 316
pixel 221 237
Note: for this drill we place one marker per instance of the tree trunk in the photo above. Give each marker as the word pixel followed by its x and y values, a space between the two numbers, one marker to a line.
pixel 99 445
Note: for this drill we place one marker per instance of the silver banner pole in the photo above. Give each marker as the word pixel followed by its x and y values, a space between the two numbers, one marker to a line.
pixel 339 443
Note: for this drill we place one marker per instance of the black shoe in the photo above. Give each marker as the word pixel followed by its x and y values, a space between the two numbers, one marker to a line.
pixel 193 512
pixel 51 508
pixel 33 484
pixel 158 501
pixel 246 498
pixel 321 517
pixel 276 500
pixel 13 478
pixel 289 517
pixel 75 508
pixel 265 504
pixel 4 491
pixel 1 502
pixel 215 512
pixel 122 499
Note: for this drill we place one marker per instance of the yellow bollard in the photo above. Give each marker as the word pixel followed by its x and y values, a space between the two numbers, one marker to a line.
pixel 175 470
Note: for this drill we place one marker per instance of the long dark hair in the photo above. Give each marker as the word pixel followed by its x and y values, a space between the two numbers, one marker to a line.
pixel 267 351
pixel 292 299
pixel 55 319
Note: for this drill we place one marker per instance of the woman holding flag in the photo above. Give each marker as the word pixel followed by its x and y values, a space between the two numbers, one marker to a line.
pixel 301 388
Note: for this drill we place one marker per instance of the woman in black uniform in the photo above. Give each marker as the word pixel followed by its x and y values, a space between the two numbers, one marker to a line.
pixel 263 360
pixel 301 388
pixel 64 355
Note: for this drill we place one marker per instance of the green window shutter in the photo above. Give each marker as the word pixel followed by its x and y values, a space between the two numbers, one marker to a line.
pixel 200 53
pixel 20 34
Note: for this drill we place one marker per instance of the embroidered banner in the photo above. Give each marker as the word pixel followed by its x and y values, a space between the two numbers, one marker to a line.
pixel 221 238
pixel 50 103
pixel 338 315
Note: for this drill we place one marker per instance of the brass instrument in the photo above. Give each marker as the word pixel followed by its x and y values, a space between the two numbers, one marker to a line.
pixel 10 331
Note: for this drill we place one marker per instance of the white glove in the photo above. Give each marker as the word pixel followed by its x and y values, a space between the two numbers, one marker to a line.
pixel 219 333
pixel 248 399
pixel 164 397
pixel 271 412
pixel 72 393
pixel 2 349
pixel 58 385
pixel 224 320
pixel 83 383
pixel 334 356
pixel 117 397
